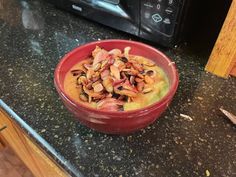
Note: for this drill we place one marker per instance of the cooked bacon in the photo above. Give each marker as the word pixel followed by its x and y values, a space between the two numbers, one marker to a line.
pixel 101 55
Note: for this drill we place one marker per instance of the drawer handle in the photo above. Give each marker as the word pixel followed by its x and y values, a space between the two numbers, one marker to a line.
pixel 4 127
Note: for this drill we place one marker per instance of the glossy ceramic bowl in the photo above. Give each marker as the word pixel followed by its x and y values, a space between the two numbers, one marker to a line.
pixel 116 122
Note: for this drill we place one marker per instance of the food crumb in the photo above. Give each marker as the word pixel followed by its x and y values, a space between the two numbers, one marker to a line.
pixel 207 173
pixel 43 130
pixel 186 117
pixel 200 98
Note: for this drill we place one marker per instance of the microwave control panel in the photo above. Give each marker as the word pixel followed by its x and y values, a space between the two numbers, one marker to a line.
pixel 159 16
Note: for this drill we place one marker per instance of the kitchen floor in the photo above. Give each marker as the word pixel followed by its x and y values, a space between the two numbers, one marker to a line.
pixel 11 165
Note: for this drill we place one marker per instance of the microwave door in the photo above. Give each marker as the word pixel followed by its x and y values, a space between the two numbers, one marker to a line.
pixel 119 14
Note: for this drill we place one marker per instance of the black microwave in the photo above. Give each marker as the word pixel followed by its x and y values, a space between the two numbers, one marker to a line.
pixel 161 21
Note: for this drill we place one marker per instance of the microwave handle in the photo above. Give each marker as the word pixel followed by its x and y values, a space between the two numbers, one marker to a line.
pixel 113 1
pixel 110 6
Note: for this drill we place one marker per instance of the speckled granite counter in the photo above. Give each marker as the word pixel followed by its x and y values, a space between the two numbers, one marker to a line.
pixel 35 35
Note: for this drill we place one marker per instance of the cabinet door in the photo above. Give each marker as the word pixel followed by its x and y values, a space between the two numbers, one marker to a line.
pixel 15 141
pixel 33 157
pixel 46 166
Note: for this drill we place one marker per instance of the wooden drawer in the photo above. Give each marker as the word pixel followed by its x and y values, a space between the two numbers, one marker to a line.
pixel 33 156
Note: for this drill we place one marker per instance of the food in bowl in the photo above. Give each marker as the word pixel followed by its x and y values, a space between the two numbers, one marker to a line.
pixel 115 80
pixel 115 122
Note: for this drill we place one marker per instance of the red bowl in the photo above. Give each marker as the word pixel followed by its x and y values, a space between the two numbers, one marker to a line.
pixel 116 122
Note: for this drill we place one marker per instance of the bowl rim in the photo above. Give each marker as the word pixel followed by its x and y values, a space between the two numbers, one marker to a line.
pixel 167 97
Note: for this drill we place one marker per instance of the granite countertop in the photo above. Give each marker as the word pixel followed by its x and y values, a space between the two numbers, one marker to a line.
pixel 35 35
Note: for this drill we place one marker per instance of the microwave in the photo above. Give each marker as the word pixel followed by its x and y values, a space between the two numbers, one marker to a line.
pixel 160 21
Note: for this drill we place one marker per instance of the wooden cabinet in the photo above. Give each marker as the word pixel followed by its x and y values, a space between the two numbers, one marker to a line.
pixel 32 155
pixel 223 56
